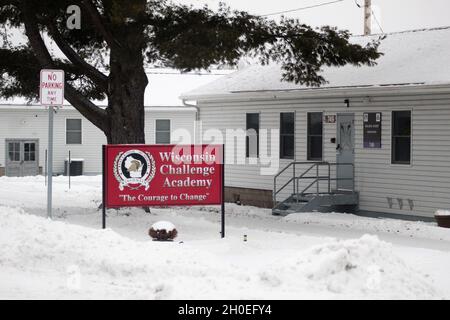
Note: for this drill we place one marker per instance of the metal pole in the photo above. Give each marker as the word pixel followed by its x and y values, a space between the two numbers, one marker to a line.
pixel 367 17
pixel 293 176
pixel 223 192
pixel 46 170
pixel 69 167
pixel 329 178
pixel 103 187
pixel 50 162
pixel 317 178
pixel 353 181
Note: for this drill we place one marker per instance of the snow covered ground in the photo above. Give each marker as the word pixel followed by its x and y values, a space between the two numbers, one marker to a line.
pixel 313 255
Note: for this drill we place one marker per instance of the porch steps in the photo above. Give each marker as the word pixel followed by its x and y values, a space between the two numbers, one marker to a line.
pixel 331 192
pixel 316 202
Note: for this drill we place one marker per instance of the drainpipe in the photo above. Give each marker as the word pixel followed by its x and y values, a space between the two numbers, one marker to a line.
pixel 197 112
pixel 197 116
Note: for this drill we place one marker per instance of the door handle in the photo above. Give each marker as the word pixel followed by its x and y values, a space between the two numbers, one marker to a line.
pixel 338 146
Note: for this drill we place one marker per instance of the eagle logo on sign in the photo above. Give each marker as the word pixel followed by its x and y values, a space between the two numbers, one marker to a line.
pixel 134 169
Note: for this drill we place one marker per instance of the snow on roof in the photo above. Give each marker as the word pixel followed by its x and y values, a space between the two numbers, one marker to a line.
pixel 410 58
pixel 164 88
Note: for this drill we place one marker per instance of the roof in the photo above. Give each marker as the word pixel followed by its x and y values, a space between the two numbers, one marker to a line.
pixel 67 107
pixel 164 88
pixel 419 57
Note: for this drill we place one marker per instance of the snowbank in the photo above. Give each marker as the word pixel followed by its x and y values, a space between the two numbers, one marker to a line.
pixel 411 229
pixel 110 264
pixel 365 267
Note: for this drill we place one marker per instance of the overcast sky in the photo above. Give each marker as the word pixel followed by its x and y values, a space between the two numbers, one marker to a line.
pixel 393 15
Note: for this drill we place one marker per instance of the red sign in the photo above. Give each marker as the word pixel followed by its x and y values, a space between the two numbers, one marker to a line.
pixel 51 88
pixel 163 175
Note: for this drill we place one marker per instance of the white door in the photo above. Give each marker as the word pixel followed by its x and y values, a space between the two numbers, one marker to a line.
pixel 345 155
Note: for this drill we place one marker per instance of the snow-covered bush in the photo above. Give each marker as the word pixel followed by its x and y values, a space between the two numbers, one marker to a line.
pixel 163 231
pixel 442 213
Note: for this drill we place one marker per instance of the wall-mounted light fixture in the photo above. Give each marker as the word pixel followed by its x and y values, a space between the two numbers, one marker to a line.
pixel 367 100
pixel 347 102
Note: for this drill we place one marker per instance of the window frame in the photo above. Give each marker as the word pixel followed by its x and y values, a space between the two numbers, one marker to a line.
pixel 397 163
pixel 308 158
pixel 247 138
pixel 283 157
pixel 16 151
pixel 81 131
pixel 29 152
pixel 169 131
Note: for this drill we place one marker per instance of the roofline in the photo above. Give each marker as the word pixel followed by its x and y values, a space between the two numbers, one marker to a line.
pixel 401 32
pixel 324 92
pixel 34 106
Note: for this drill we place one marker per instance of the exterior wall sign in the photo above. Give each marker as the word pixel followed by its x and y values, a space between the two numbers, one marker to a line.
pixel 372 130
pixel 330 118
pixel 163 175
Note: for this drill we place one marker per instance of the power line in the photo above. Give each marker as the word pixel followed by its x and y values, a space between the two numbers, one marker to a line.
pixel 302 8
pixel 187 73
pixel 376 20
pixel 374 16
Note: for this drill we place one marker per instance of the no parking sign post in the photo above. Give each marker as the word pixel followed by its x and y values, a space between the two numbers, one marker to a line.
pixel 51 93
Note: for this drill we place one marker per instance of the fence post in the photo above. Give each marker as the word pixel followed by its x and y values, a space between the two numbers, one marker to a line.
pixel 45 167
pixel 317 178
pixel 329 178
pixel 69 164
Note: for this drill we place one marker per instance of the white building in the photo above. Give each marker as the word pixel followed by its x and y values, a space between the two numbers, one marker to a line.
pixel 24 127
pixel 391 121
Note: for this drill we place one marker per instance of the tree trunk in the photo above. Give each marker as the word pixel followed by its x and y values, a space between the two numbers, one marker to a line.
pixel 127 84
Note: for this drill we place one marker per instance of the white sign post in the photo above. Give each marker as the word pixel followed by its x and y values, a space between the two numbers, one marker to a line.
pixel 51 94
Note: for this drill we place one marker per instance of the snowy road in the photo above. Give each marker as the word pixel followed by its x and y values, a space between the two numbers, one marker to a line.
pixel 301 256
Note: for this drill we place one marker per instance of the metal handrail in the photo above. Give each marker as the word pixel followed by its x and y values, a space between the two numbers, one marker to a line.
pixel 317 178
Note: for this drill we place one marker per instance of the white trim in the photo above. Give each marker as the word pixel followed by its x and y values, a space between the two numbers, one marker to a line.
pixel 170 129
pixel 401 165
pixel 319 93
pixel 65 131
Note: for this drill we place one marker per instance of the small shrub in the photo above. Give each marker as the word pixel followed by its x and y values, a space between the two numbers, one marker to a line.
pixel 163 231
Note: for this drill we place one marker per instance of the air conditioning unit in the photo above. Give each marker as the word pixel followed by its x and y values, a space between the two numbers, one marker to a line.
pixel 76 167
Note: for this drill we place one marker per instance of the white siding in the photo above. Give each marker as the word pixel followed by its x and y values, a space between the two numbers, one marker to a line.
pixel 32 123
pixel 426 181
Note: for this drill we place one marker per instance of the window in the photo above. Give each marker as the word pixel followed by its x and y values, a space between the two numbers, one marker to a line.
pixel 401 137
pixel 287 135
pixel 315 138
pixel 73 131
pixel 29 151
pixel 252 137
pixel 14 151
pixel 162 133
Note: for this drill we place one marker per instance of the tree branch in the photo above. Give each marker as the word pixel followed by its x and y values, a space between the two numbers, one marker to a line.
pixel 95 75
pixel 98 22
pixel 95 114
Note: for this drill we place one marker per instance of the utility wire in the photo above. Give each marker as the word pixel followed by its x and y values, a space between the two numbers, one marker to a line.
pixel 303 8
pixel 376 20
pixel 374 16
